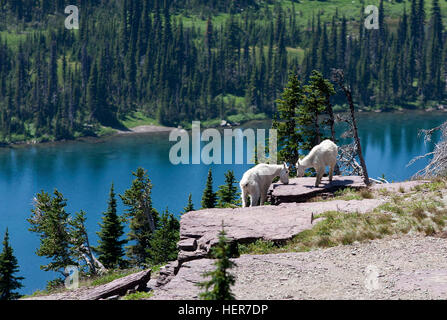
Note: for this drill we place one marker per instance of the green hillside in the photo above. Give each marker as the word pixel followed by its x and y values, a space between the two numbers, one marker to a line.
pixel 172 62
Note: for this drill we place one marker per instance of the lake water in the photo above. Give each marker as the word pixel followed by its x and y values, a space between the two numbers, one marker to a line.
pixel 84 170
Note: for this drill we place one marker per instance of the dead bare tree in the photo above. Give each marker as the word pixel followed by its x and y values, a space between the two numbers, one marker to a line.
pixel 349 153
pixel 438 163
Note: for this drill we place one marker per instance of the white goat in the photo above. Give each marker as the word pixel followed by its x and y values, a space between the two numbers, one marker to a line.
pixel 322 155
pixel 256 182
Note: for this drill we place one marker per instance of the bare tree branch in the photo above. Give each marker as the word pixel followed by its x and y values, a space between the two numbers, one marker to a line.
pixel 438 163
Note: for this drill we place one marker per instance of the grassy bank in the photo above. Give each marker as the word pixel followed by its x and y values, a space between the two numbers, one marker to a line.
pixel 421 210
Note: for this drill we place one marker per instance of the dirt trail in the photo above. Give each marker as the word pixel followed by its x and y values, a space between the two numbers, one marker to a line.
pixel 407 267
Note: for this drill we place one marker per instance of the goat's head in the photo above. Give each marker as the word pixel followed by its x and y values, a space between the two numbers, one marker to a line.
pixel 284 174
pixel 299 169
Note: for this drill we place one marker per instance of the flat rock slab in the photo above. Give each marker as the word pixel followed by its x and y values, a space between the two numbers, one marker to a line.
pixel 119 286
pixel 407 267
pixel 275 223
pixel 110 290
pixel 301 189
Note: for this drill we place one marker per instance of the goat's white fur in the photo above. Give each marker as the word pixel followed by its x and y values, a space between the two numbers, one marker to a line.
pixel 256 182
pixel 322 155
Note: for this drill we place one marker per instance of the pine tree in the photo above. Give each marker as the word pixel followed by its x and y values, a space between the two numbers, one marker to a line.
pixel 221 280
pixel 310 114
pixel 341 44
pixel 50 220
pixel 209 197
pixel 8 268
pixel 163 244
pixel 227 193
pixel 190 206
pixel 92 93
pixel 110 247
pixel 434 55
pixel 285 122
pixel 143 217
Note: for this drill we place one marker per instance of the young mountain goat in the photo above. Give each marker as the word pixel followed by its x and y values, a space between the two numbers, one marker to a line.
pixel 322 155
pixel 256 182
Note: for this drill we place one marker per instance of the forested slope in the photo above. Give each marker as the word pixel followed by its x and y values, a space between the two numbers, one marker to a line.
pixel 170 62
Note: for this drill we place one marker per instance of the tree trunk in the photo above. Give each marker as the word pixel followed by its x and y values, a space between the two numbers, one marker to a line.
pixel 338 75
pixel 330 112
pixel 356 137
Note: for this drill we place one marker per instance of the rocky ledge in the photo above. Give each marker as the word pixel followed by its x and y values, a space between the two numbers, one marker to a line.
pixel 199 229
pixel 302 189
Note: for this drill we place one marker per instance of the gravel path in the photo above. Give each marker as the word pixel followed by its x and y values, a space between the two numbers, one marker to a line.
pixel 406 267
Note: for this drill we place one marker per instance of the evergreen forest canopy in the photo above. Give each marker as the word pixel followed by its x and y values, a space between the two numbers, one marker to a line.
pixel 177 61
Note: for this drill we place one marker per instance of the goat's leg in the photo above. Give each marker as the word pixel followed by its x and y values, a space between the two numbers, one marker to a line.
pixel 319 176
pixel 331 172
pixel 263 198
pixel 244 198
pixel 264 192
pixel 254 197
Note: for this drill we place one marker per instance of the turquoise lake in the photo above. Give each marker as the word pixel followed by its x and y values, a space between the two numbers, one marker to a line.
pixel 83 171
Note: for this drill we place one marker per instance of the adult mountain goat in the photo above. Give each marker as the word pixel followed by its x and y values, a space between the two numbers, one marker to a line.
pixel 256 182
pixel 322 155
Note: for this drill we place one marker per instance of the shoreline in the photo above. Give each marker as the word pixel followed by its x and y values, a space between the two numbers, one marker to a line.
pixel 144 129
pixel 149 129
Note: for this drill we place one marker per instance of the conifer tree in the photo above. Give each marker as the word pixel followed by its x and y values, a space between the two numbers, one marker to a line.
pixel 163 244
pixel 50 220
pixel 143 217
pixel 9 283
pixel 227 193
pixel 190 206
pixel 316 104
pixel 309 117
pixel 110 247
pixel 209 197
pixel 219 286
pixel 285 121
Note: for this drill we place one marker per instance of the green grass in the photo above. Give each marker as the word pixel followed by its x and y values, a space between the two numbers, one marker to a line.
pixel 353 194
pixel 258 247
pixel 13 38
pixel 108 277
pixel 105 131
pixel 244 117
pixel 138 295
pixel 138 119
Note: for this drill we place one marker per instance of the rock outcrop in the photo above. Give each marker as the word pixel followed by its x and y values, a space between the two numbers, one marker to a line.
pixel 199 229
pixel 111 291
pixel 302 189
pixel 119 287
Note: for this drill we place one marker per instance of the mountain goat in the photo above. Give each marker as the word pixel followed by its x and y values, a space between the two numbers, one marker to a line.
pixel 256 182
pixel 322 155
